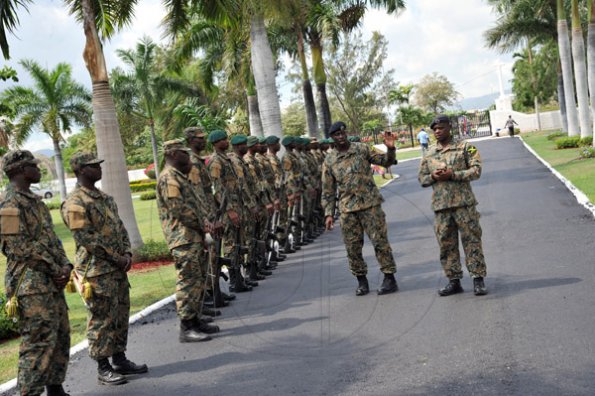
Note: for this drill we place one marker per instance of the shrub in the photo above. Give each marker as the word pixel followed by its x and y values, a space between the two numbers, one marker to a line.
pixel 148 196
pixel 556 135
pixel 152 251
pixel 568 142
pixel 587 152
pixel 8 327
pixel 150 171
pixel 587 141
pixel 53 205
pixel 143 187
pixel 141 182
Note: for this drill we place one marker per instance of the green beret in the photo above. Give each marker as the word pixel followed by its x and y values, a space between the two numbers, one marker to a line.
pixel 353 139
pixel 16 158
pixel 287 140
pixel 217 135
pixel 174 145
pixel 81 159
pixel 324 141
pixel 306 140
pixel 252 140
pixel 330 140
pixel 239 139
pixel 262 140
pixel 272 139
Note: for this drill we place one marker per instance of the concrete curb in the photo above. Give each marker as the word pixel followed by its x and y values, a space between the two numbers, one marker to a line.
pixel 81 346
pixel 579 195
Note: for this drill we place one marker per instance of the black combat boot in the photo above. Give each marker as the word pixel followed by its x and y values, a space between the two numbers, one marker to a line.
pixel 362 286
pixel 55 390
pixel 122 365
pixel 228 297
pixel 236 282
pixel 453 287
pixel 211 312
pixel 189 334
pixel 106 374
pixel 203 327
pixel 389 285
pixel 479 288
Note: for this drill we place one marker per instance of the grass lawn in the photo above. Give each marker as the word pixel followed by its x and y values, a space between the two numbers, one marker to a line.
pixel 147 287
pixel 581 172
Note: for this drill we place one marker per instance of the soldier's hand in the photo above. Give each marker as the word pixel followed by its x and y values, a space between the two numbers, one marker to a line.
pixel 277 205
pixel 233 216
pixel 270 209
pixel 209 227
pixel 329 223
pixel 218 228
pixel 312 193
pixel 61 279
pixel 125 262
pixel 389 140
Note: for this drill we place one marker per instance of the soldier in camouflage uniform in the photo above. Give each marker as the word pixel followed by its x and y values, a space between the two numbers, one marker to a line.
pixel 184 221
pixel 103 256
pixel 292 183
pixel 200 179
pixel 449 167
pixel 274 146
pixel 347 168
pixel 37 271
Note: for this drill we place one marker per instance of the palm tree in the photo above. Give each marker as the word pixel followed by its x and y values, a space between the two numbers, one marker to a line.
pixel 9 20
pixel 580 72
pixel 591 55
pixel 52 107
pixel 566 61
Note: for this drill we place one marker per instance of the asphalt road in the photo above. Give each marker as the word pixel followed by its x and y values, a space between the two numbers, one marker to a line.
pixel 304 332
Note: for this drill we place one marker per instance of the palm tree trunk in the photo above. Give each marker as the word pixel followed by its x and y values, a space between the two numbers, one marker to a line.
pixel 107 132
pixel 311 118
pixel 59 169
pixel 536 105
pixel 320 81
pixel 562 100
pixel 254 116
pixel 265 78
pixel 580 72
pixel 591 58
pixel 565 60
pixel 154 148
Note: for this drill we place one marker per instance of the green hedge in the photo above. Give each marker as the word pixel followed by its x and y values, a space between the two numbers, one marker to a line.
pixel 568 142
pixel 148 196
pixel 586 141
pixel 143 186
pixel 556 135
pixel 53 205
pixel 587 152
pixel 142 181
pixel 152 251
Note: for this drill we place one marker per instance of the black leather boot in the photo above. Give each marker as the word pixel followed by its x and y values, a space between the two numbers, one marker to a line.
pixel 362 286
pixel 479 288
pixel 106 374
pixel 203 327
pixel 228 297
pixel 453 287
pixel 389 285
pixel 236 282
pixel 121 365
pixel 55 390
pixel 189 334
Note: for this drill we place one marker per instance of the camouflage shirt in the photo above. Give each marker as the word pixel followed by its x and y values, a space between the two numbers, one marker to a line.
pixel 181 212
pixel 277 169
pixel 260 184
pixel 200 179
pixel 350 173
pixel 99 234
pixel 464 160
pixel 30 244
pixel 293 173
pixel 246 181
pixel 226 181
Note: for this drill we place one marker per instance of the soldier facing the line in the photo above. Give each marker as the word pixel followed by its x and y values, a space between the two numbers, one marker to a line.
pixel 103 257
pixel 37 271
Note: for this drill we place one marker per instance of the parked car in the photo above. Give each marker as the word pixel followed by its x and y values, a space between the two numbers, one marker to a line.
pixel 42 192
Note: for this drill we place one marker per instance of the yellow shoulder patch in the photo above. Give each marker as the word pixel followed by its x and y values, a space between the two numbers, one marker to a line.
pixel 173 189
pixel 9 221
pixel 471 149
pixel 286 164
pixel 194 175
pixel 76 217
pixel 215 169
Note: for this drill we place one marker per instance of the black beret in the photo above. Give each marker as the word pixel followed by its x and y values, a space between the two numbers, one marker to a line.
pixel 440 118
pixel 337 126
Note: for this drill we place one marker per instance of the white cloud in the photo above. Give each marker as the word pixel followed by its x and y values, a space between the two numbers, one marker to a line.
pixel 38 141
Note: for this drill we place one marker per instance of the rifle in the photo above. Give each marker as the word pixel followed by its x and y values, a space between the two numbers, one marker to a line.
pixel 235 273
pixel 216 261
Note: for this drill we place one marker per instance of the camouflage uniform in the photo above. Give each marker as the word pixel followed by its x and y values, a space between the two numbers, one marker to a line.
pixel 359 203
pixel 182 216
pixel 292 180
pixel 101 239
pixel 454 205
pixel 34 252
pixel 277 169
pixel 250 198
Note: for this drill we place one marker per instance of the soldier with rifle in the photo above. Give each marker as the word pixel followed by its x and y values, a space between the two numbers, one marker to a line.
pixel 293 189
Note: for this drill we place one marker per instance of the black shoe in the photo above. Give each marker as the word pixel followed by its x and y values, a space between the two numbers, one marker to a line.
pixel 256 277
pixel 211 312
pixel 264 272
pixel 389 285
pixel 207 319
pixel 362 288
pixel 201 326
pixel 106 374
pixel 453 287
pixel 55 390
pixel 251 283
pixel 228 297
pixel 188 334
pixel 479 288
pixel 123 366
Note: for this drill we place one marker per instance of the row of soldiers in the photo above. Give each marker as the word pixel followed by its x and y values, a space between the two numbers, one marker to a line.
pixel 242 207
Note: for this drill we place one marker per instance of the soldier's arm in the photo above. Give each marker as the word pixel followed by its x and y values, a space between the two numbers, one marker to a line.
pixel 328 190
pixel 171 191
pixel 386 160
pixel 473 161
pixel 54 242
pixel 123 233
pixel 425 176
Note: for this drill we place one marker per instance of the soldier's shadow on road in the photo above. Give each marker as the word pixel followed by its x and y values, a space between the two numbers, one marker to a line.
pixel 244 327
pixel 503 287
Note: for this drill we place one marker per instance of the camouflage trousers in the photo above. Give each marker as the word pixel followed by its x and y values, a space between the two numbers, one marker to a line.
pixel 448 224
pixel 191 268
pixel 372 221
pixel 109 310
pixel 45 341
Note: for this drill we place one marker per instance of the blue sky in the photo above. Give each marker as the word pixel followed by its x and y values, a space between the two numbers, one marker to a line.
pixel 430 36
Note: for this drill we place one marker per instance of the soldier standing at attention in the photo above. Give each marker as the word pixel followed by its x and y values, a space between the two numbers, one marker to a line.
pixel 347 169
pixel 449 167
pixel 37 271
pixel 184 221
pixel 103 257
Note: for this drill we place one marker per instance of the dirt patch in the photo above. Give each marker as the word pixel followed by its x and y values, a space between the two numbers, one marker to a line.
pixel 149 265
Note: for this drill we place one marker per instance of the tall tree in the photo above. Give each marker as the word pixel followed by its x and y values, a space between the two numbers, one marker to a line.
pixel 54 104
pixel 566 61
pixel 434 93
pixel 580 72
pixel 591 56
